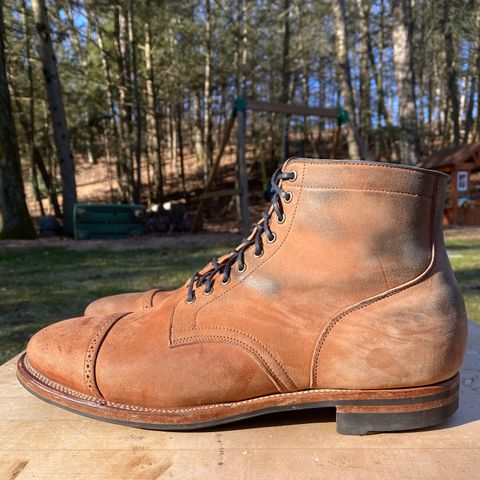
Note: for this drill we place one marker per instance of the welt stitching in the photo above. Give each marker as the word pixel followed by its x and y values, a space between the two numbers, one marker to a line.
pixel 383 296
pixel 234 341
pixel 124 406
pixel 256 340
pixel 174 410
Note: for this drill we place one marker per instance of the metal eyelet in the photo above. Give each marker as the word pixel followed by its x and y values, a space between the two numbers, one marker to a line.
pixel 274 237
pixel 227 282
pixel 281 220
pixel 190 301
pixel 208 292
pixel 243 269
pixel 288 198
pixel 294 176
pixel 259 255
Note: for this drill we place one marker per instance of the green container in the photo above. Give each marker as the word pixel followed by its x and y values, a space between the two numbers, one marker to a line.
pixel 98 220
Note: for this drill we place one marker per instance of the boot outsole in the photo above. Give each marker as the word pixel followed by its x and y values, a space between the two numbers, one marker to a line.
pixel 358 412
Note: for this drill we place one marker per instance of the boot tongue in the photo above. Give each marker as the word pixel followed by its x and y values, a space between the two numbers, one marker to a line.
pixel 260 231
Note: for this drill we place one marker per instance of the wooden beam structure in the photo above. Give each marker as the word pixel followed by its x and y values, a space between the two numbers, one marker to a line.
pixel 242 168
pixel 211 177
pixel 240 112
pixel 290 109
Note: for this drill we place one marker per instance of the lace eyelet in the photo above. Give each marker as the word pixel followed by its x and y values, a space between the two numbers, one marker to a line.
pixel 288 198
pixel 274 237
pixel 259 255
pixel 243 269
pixel 208 292
pixel 223 282
pixel 294 176
pixel 281 220
pixel 189 302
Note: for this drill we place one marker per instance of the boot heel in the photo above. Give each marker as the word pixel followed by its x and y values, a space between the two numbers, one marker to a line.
pixel 398 412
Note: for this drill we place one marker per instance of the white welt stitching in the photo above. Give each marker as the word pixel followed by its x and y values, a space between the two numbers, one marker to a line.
pixel 135 408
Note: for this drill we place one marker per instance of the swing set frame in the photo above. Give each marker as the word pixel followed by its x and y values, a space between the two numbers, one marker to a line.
pixel 239 112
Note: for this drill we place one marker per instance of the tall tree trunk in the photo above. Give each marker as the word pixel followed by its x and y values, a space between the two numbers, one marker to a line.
pixel 36 156
pixel 137 194
pixel 57 113
pixel 474 65
pixel 207 88
pixel 197 133
pixel 125 165
pixel 286 77
pixel 403 62
pixel 15 221
pixel 178 115
pixel 116 145
pixel 30 137
pixel 365 62
pixel 153 120
pixel 241 50
pixel 450 65
pixel 339 11
pixel 172 140
pixel 81 53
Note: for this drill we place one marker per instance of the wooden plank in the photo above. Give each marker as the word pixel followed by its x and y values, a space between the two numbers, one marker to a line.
pixel 261 106
pixel 201 204
pixel 40 441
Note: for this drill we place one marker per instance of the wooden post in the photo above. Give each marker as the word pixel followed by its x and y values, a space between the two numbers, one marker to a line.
pixel 242 164
pixel 201 204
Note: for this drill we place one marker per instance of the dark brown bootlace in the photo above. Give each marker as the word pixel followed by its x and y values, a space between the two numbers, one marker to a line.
pixel 237 255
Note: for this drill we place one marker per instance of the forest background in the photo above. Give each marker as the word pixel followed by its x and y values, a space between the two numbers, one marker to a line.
pixel 134 96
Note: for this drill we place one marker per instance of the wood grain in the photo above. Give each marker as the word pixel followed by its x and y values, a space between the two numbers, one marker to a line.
pixel 40 441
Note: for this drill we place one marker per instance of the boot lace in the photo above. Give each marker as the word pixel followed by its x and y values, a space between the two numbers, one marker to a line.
pixel 259 231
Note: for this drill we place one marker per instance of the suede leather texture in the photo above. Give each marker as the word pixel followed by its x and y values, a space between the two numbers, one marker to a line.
pixel 126 302
pixel 355 292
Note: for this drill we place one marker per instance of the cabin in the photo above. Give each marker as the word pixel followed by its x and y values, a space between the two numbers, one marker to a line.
pixel 462 163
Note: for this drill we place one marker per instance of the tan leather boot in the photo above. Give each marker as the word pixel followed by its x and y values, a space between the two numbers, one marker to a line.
pixel 342 296
pixel 126 302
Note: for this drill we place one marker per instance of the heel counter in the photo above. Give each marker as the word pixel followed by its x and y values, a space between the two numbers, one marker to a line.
pixel 452 305
pixel 414 336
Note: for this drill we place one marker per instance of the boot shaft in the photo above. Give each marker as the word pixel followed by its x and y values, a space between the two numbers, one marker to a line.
pixel 353 238
pixel 363 227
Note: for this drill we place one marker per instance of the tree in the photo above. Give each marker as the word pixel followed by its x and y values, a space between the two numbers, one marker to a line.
pixel 15 221
pixel 346 88
pixel 154 139
pixel 57 113
pixel 153 83
pixel 447 28
pixel 403 61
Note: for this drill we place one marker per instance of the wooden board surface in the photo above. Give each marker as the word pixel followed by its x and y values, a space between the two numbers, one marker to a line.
pixel 40 441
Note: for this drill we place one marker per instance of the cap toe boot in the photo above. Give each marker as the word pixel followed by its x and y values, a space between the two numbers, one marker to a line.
pixel 341 296
pixel 126 302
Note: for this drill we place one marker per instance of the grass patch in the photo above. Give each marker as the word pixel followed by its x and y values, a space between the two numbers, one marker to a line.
pixel 39 286
pixel 465 259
